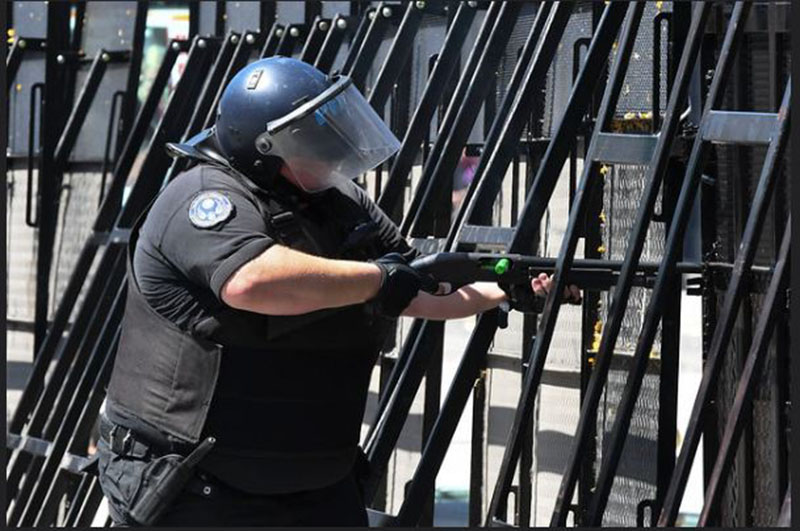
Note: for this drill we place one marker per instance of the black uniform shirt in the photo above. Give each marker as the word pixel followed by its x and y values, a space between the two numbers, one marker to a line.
pixel 181 267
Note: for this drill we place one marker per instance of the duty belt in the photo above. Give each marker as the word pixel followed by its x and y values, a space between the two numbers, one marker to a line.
pixel 124 441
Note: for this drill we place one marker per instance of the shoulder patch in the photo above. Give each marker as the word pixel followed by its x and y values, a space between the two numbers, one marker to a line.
pixel 209 208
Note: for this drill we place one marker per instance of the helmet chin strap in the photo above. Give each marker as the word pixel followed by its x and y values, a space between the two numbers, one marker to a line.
pixel 265 172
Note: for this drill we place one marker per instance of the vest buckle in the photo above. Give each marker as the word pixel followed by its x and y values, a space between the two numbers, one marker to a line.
pixel 282 219
pixel 126 441
pixel 124 446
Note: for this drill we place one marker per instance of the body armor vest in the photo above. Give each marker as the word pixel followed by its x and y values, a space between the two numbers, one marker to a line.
pixel 288 391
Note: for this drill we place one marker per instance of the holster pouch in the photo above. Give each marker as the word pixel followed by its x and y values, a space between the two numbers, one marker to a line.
pixel 164 480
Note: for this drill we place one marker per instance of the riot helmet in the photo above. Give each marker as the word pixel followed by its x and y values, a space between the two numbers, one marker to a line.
pixel 319 126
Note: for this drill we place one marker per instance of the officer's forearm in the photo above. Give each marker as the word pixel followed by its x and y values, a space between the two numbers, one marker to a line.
pixel 469 300
pixel 282 281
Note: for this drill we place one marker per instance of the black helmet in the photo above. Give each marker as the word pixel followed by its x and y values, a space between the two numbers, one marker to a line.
pixel 320 126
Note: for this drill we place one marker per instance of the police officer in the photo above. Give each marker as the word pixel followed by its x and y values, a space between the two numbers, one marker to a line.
pixel 262 284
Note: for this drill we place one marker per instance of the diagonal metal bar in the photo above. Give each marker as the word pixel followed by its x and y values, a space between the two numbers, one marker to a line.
pixel 555 157
pixel 390 200
pixel 78 115
pixel 656 168
pixel 482 61
pixel 155 163
pixel 113 198
pixel 81 495
pixel 245 44
pixel 552 27
pixel 230 44
pixel 33 490
pixel 208 93
pixel 103 223
pixel 333 43
pixel 320 28
pixel 379 448
pixel 513 87
pixel 52 404
pixel 525 83
pixel 391 383
pixel 741 410
pixel 33 396
pixel 601 44
pixel 364 23
pixel 88 403
pixel 127 113
pixel 561 142
pixel 389 425
pixel 665 277
pixel 396 57
pixel 71 421
pixel 576 107
pixel 21 46
pixel 368 48
pixel 57 92
pixel 234 54
pixel 446 422
pixel 404 160
pixel 291 37
pixel 272 40
pixel 457 123
pixel 730 309
pixel 503 138
pixel 59 377
pixel 170 127
pixel 172 122
pixel 85 511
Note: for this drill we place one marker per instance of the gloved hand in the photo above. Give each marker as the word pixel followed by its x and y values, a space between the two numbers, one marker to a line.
pixel 522 298
pixel 531 299
pixel 400 284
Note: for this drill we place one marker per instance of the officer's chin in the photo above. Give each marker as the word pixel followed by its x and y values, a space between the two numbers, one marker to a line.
pixel 305 182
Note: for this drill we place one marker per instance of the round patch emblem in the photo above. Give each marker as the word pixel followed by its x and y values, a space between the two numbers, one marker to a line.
pixel 209 209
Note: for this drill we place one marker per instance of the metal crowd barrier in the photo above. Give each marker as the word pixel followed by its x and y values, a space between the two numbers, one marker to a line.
pixel 50 429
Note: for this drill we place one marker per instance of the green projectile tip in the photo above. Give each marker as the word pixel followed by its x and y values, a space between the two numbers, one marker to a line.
pixel 502 266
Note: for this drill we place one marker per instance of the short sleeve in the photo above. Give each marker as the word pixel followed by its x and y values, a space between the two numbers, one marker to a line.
pixel 209 255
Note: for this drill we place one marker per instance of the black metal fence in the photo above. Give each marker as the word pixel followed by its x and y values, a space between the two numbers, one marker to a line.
pixel 646 140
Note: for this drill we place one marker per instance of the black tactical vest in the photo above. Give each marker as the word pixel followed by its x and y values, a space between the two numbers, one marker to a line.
pixel 283 395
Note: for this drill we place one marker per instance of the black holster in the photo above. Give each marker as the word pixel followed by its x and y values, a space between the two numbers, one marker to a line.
pixel 165 478
pixel 140 488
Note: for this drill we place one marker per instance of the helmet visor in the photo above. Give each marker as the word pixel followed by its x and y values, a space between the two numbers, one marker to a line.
pixel 335 137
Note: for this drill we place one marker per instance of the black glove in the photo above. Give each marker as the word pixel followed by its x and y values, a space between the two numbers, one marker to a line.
pixel 522 298
pixel 400 284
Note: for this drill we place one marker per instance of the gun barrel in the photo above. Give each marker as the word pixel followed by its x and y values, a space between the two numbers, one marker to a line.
pixel 459 269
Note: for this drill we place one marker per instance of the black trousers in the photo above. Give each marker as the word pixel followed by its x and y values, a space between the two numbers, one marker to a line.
pixel 206 502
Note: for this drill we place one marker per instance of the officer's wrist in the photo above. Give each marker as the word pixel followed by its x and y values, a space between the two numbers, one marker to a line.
pixel 379 278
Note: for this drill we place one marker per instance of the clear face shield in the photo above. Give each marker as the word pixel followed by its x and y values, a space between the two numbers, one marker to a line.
pixel 334 137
